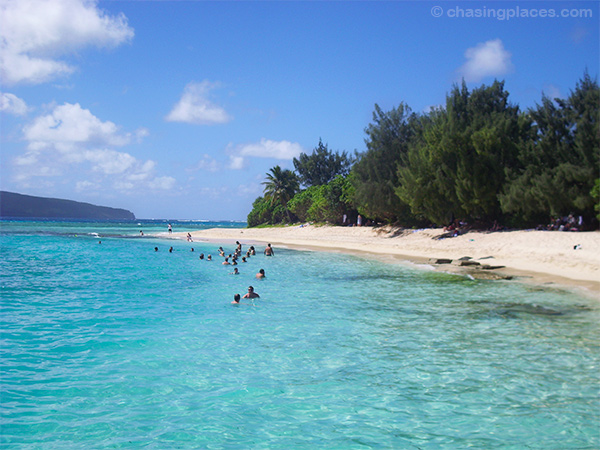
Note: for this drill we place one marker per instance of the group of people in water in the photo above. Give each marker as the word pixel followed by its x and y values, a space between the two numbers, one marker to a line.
pixel 232 259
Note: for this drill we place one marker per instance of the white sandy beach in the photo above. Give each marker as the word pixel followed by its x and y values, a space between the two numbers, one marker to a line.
pixel 542 256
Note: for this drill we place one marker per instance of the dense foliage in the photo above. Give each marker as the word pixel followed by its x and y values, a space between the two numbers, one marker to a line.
pixel 321 166
pixel 477 158
pixel 558 165
pixel 456 166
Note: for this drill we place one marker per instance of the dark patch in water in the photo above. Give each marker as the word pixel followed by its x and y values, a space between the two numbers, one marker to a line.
pixel 528 309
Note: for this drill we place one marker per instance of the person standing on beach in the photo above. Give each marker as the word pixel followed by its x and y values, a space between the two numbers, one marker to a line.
pixel 269 250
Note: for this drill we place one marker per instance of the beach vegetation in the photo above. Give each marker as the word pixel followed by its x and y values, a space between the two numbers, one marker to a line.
pixel 596 196
pixel 456 165
pixel 280 185
pixel 477 158
pixel 325 203
pixel 558 165
pixel 321 166
pixel 375 175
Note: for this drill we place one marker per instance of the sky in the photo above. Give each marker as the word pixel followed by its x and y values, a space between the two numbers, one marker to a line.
pixel 178 109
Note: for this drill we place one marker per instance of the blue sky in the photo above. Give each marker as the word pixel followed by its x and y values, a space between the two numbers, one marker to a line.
pixel 177 109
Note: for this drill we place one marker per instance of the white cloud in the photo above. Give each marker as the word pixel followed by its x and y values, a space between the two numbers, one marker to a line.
pixel 236 162
pixel 109 162
pixel 207 163
pixel 266 148
pixel 37 32
pixel 194 106
pixel 162 183
pixel 271 149
pixel 11 104
pixel 71 139
pixel 85 185
pixel 487 59
pixel 69 125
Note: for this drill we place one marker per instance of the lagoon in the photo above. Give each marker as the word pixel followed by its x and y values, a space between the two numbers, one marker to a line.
pixel 114 345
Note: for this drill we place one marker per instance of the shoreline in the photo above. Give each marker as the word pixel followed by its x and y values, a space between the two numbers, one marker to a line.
pixel 545 258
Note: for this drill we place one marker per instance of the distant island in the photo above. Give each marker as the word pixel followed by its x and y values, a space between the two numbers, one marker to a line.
pixel 19 205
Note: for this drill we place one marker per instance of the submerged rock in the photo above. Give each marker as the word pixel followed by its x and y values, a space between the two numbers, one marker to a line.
pixel 484 275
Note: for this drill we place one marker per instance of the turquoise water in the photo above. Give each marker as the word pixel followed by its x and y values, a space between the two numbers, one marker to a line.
pixel 114 345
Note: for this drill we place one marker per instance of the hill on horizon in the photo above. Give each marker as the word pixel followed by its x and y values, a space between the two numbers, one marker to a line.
pixel 28 206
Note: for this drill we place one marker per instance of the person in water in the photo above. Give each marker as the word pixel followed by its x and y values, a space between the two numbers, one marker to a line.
pixel 261 274
pixel 235 272
pixel 236 299
pixel 269 250
pixel 251 293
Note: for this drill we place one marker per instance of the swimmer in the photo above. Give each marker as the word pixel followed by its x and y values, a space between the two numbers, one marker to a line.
pixel 261 274
pixel 236 299
pixel 192 249
pixel 141 233
pixel 243 259
pixel 235 272
pixel 252 250
pixel 226 262
pixel 269 250
pixel 155 249
pixel 201 256
pixel 171 250
pixel 251 293
pixel 209 258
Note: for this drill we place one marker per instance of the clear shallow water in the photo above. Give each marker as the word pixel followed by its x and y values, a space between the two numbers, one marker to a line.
pixel 113 345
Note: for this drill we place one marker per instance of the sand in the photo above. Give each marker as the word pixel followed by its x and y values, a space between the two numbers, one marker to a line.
pixel 542 257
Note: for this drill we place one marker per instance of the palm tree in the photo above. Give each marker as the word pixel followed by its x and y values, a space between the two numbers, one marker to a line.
pixel 281 185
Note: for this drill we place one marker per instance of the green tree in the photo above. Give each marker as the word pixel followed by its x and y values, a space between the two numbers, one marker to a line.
pixel 558 165
pixel 321 166
pixel 374 175
pixel 325 203
pixel 262 212
pixel 281 185
pixel 456 166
